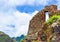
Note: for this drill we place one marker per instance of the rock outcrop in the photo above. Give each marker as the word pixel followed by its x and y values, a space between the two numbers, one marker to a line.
pixel 37 22
pixel 55 31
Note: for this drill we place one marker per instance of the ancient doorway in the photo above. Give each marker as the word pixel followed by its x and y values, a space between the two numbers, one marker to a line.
pixel 46 16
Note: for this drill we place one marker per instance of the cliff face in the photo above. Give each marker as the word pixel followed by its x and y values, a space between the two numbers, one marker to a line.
pixel 5 38
pixel 37 22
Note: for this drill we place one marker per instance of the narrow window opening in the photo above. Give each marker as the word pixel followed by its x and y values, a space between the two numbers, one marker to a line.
pixel 46 16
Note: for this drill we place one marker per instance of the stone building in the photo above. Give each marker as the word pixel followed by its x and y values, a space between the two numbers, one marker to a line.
pixel 36 23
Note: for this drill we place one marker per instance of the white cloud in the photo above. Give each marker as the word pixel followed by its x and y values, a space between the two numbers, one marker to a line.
pixel 42 2
pixel 58 4
pixel 20 20
pixel 9 15
pixel 23 2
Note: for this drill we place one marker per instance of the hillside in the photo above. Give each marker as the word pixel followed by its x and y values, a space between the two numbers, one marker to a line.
pixel 5 38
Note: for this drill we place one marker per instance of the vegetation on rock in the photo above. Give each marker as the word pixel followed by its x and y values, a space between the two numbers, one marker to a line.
pixel 52 28
pixel 53 19
pixel 5 38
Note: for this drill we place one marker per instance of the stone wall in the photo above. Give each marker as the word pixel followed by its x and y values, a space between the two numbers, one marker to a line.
pixel 36 23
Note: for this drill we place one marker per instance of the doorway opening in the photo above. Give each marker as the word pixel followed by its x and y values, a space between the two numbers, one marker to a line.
pixel 46 16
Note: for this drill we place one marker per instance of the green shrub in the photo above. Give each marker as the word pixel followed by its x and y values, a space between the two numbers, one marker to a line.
pixel 53 19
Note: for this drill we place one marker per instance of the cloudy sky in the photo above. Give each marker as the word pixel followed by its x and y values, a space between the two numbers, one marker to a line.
pixel 16 14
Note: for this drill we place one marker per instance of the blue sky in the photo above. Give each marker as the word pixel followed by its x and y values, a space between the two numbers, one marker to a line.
pixel 16 14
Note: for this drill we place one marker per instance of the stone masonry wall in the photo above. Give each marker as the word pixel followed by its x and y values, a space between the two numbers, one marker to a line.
pixel 36 23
